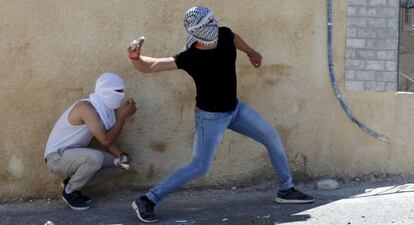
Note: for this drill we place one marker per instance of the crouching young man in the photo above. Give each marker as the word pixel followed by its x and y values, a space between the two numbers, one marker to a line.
pixel 100 116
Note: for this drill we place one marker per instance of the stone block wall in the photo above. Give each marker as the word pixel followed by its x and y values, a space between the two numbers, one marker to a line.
pixel 372 45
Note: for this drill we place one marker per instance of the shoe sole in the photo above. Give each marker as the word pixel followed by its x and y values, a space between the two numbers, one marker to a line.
pixel 75 207
pixel 62 185
pixel 293 201
pixel 135 207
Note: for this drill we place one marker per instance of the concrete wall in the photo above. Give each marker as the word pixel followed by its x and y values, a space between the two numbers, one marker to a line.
pixel 51 53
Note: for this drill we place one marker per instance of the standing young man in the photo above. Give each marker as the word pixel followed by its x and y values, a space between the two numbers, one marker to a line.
pixel 209 58
pixel 67 152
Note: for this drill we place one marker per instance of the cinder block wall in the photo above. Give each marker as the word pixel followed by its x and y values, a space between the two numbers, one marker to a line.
pixel 372 45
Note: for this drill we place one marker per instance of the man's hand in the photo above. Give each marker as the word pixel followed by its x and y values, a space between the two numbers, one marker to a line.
pixel 147 64
pixel 126 158
pixel 255 58
pixel 128 109
pixel 122 161
pixel 134 48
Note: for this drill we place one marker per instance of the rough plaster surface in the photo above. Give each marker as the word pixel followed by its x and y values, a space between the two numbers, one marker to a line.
pixel 51 52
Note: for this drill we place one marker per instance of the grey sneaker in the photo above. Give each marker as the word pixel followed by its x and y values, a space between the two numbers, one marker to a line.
pixel 293 196
pixel 144 209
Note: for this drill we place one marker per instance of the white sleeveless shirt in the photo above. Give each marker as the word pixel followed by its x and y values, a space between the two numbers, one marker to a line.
pixel 65 135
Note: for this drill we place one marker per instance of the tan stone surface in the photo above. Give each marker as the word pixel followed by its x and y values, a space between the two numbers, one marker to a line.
pixel 51 52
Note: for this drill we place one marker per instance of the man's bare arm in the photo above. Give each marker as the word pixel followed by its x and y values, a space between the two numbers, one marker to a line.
pixel 90 117
pixel 146 64
pixel 115 149
pixel 255 57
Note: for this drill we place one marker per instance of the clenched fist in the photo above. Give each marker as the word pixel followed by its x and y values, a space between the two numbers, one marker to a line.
pixel 128 109
pixel 134 48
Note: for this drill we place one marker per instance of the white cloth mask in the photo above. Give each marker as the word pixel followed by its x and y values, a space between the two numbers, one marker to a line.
pixel 106 98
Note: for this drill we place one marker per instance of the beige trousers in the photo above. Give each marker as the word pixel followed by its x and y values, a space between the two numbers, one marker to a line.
pixel 84 166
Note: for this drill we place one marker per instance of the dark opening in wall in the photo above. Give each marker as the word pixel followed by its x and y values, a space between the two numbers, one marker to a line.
pixel 406 47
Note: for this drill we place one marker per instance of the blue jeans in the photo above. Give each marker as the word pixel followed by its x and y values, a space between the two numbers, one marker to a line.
pixel 210 127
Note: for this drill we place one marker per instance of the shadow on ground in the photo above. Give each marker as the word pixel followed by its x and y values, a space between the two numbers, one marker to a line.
pixel 247 205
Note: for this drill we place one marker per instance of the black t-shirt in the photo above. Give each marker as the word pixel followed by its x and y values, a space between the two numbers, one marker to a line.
pixel 214 73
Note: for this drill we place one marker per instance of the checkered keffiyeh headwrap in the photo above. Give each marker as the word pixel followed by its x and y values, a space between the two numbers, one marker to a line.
pixel 201 26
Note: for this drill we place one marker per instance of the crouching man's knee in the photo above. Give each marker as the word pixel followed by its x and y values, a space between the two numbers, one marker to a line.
pixel 95 161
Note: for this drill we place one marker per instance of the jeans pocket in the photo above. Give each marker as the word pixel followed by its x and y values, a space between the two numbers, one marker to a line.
pixel 202 114
pixel 211 115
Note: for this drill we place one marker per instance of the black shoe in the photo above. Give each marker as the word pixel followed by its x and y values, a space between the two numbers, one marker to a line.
pixel 293 196
pixel 85 198
pixel 75 200
pixel 144 209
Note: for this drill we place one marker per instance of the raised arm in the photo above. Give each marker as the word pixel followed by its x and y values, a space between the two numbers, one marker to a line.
pixel 146 64
pixel 255 57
